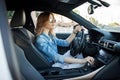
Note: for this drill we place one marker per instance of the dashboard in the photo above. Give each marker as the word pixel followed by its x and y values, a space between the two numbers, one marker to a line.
pixel 103 39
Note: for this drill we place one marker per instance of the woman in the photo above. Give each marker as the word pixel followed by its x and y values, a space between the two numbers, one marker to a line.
pixel 47 42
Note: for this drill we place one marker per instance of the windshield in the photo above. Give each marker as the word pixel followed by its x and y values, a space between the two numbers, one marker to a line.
pixel 107 18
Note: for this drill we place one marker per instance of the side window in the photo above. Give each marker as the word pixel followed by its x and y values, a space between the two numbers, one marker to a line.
pixel 34 15
pixel 63 24
pixel 10 15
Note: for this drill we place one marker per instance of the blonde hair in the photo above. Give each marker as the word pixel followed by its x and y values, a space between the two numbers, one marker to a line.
pixel 41 20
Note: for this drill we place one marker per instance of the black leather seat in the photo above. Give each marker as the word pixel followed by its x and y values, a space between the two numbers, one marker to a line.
pixel 24 39
pixel 27 71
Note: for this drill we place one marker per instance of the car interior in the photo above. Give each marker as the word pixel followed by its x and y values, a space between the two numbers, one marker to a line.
pixel 104 46
pixel 28 72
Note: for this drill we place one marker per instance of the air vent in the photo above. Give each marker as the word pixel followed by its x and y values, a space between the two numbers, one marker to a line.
pixel 111 46
pixel 107 44
pixel 101 42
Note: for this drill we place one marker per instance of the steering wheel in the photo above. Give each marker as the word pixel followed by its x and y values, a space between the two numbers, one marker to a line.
pixel 77 45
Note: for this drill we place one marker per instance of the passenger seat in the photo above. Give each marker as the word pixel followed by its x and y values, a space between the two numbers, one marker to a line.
pixel 24 39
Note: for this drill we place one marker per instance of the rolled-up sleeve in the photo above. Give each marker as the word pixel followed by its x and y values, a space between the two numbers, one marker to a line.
pixel 43 46
pixel 61 42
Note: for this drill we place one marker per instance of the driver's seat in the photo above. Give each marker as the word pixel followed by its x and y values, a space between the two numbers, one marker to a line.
pixel 23 38
pixel 28 72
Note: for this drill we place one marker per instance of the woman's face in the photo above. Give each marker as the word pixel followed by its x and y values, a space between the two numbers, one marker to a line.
pixel 51 22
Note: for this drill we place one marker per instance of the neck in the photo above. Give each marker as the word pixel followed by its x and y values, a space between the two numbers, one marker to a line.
pixel 46 31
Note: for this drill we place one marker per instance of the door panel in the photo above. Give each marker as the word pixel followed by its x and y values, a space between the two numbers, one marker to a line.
pixel 62 50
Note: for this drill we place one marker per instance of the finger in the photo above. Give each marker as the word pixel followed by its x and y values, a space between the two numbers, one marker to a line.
pixel 91 61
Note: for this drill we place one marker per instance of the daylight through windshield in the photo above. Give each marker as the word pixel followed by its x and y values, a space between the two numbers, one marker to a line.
pixel 107 18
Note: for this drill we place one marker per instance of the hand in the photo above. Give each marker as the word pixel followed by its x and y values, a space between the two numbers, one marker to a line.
pixel 77 29
pixel 89 59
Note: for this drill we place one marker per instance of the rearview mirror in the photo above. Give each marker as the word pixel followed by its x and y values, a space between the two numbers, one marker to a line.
pixel 90 9
pixel 95 5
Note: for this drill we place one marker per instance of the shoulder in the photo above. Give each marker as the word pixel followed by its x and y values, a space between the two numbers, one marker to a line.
pixel 40 38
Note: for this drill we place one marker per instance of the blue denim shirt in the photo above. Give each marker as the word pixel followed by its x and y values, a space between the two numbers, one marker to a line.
pixel 48 45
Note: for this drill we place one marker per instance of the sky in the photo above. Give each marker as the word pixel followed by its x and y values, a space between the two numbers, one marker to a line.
pixel 114 2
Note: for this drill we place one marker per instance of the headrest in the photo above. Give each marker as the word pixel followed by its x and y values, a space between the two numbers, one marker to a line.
pixel 18 19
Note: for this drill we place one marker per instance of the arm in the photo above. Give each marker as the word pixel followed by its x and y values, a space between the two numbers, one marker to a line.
pixel 61 42
pixel 48 51
pixel 79 61
pixel 74 60
pixel 59 58
pixel 66 42
pixel 72 36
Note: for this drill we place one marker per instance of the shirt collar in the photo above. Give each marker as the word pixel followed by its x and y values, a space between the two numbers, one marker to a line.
pixel 47 36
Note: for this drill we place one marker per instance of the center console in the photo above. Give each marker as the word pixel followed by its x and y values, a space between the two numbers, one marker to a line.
pixel 104 56
pixel 58 73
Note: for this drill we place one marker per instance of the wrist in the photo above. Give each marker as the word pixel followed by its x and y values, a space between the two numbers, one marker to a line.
pixel 74 31
pixel 84 60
